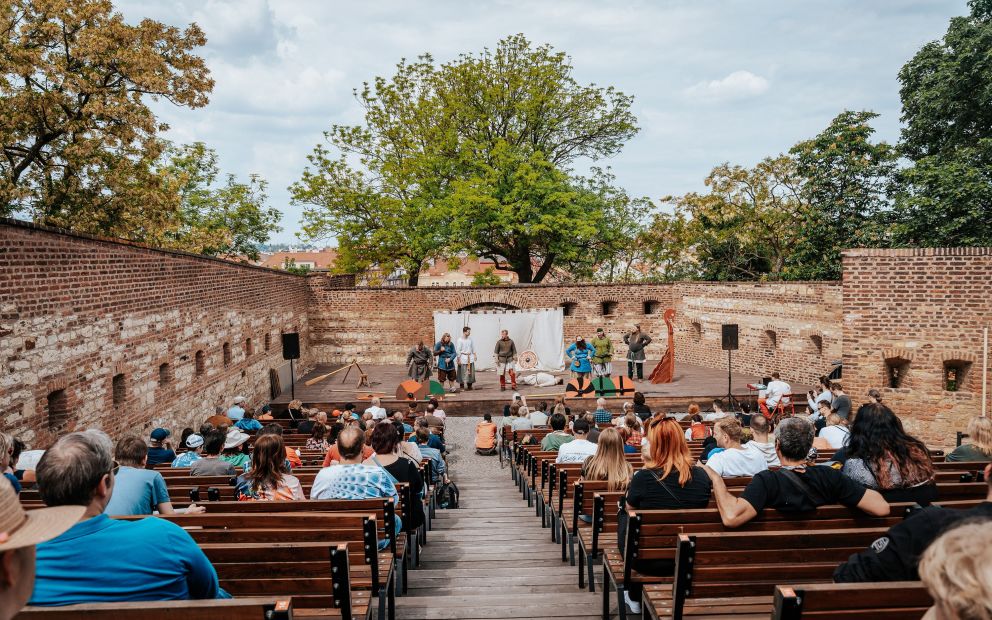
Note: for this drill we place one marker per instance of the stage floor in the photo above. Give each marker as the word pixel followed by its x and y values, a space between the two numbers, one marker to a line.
pixel 692 383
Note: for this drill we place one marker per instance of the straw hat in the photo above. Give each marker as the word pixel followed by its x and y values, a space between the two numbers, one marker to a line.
pixel 23 529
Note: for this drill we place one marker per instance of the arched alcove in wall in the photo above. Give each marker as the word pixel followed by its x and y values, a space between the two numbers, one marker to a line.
pixel 487 306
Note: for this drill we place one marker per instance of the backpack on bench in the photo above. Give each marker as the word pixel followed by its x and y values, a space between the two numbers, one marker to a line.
pixel 447 496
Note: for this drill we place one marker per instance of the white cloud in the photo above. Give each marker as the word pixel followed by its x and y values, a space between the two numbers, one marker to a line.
pixel 737 85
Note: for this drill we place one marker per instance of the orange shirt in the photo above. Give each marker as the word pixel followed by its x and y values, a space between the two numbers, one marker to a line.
pixel 485 435
pixel 334 455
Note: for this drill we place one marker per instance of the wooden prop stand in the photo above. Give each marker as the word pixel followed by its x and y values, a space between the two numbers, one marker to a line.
pixel 363 379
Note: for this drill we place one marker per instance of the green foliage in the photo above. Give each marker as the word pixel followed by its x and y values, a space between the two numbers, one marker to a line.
pixel 845 184
pixel 290 265
pixel 487 277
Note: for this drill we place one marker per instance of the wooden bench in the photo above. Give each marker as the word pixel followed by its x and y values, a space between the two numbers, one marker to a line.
pixel 251 608
pixel 894 600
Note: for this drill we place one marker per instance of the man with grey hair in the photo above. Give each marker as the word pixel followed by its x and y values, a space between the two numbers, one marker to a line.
pixel 796 486
pixel 377 410
pixel 100 559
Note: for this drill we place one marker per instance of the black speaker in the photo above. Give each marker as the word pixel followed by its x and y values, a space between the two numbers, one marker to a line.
pixel 729 339
pixel 291 346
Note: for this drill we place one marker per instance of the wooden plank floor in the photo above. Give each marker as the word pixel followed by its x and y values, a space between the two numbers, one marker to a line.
pixel 491 559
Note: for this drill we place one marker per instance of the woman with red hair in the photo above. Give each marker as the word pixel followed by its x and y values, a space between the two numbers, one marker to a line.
pixel 668 481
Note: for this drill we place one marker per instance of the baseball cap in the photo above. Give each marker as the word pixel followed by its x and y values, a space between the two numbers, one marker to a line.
pixel 20 528
pixel 159 434
pixel 194 441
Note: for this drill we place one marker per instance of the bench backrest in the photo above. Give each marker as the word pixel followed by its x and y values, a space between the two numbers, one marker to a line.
pixel 874 601
pixel 248 608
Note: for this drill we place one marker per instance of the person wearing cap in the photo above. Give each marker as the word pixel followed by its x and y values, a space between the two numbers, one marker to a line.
pixel 237 411
pixel 100 559
pixel 194 443
pixel 139 491
pixel 602 361
pixel 161 449
pixel 210 463
pixel 233 453
pixel 20 532
pixel 580 353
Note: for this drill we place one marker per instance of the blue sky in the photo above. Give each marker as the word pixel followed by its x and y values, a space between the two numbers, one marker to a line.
pixel 713 80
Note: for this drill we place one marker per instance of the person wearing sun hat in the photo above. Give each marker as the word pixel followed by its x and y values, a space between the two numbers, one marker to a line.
pixel 100 559
pixel 20 531
pixel 232 449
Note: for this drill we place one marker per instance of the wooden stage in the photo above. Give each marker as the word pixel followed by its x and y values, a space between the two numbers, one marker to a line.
pixel 692 384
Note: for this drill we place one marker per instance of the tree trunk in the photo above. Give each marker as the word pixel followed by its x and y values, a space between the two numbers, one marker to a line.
pixel 549 260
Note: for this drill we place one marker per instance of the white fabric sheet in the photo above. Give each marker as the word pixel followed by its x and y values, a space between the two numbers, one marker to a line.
pixel 541 331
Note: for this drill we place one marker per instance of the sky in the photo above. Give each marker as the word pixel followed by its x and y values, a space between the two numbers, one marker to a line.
pixel 713 80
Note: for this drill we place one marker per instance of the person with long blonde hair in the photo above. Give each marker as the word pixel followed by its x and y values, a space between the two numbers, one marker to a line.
pixel 669 481
pixel 980 446
pixel 608 463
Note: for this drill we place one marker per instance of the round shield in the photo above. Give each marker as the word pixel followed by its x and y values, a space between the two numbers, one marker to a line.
pixel 579 388
pixel 603 386
pixel 527 360
pixel 436 388
pixel 411 390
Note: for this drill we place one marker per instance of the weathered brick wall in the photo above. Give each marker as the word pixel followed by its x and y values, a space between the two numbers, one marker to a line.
pixel 379 325
pixel 76 311
pixel 920 309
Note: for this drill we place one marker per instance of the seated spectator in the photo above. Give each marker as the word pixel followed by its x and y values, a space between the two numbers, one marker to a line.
pixel 210 463
pixel 218 420
pixel 602 414
pixel 795 487
pixel 882 456
pixel 408 449
pixel 194 445
pixel 234 449
pixel 760 441
pixel 183 436
pixel 23 469
pixel 641 409
pixel 376 409
pixel 557 437
pixel 332 455
pixel 980 447
pixel 237 410
pixel 625 436
pixel 957 572
pixel 429 439
pixel 292 454
pixel 100 559
pixel 20 532
pixel 894 557
pixel 718 412
pixel 841 402
pixel 734 460
pixel 6 467
pixel 668 481
pixel 440 468
pixel 485 436
pixel 248 423
pixel 835 434
pixel 160 450
pixel 386 442
pixel 295 411
pixel 608 463
pixel 432 420
pixel 398 417
pixel 593 427
pixel 350 479
pixel 697 430
pixel 318 438
pixel 139 491
pixel 265 413
pixel 269 478
pixel 580 448
pixel 633 424
pixel 438 412
pixel 539 417
pixel 305 427
pixel 521 421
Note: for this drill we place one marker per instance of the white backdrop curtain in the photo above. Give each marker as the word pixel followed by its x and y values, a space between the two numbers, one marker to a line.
pixel 541 331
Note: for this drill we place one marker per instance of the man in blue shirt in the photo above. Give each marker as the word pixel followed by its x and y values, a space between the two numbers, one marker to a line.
pixel 104 560
pixel 602 415
pixel 160 451
pixel 237 411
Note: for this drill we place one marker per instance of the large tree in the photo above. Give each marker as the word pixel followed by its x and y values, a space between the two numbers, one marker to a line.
pixel 845 183
pixel 944 197
pixel 79 144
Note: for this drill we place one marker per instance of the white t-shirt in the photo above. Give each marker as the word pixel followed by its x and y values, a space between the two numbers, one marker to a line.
pixel 837 435
pixel 710 417
pixel 737 462
pixel 575 451
pixel 378 413
pixel 777 391
pixel 439 413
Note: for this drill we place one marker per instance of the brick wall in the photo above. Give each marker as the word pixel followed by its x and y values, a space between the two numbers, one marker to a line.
pixel 378 325
pixel 76 312
pixel 918 309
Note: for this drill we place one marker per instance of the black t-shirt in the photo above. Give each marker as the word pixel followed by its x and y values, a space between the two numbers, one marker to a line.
pixel 774 489
pixel 305 427
pixel 647 492
pixel 404 470
pixel 842 406
pixel 642 411
pixel 157 456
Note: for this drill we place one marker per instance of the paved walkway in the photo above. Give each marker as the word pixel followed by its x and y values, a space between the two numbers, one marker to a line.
pixel 491 558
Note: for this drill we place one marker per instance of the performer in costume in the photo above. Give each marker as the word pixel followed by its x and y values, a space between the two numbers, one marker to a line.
pixel 602 362
pixel 444 350
pixel 465 349
pixel 580 353
pixel 636 340
pixel 418 362
pixel 506 356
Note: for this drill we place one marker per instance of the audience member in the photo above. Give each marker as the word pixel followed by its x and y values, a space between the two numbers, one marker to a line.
pixel 248 423
pixel 957 571
pixel 210 463
pixel 218 420
pixel 6 466
pixel 602 414
pixel 980 446
pixel 20 533
pixel 318 438
pixel 161 449
pixel 269 478
pixel 100 559
pixel 398 417
pixel 668 481
pixel 580 448
pixel 795 487
pixel 836 434
pixel 439 467
pixel 841 403
pixel 194 445
pixel 640 407
pixel 633 424
pixel 894 557
pixel 882 456
pixel 408 449
pixel 429 439
pixel 820 395
pixel 438 412
pixel 237 410
pixel 539 417
pixel 138 491
pixel 376 409
pixel 608 463
pixel 557 437
pixel 233 449
pixel 305 427
pixel 734 460
pixel 697 429
pixel 874 397
pixel 386 442
pixel 718 412
pixel 760 442
pixel 265 413
pixel 333 455
pixel 485 436
pixel 432 420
